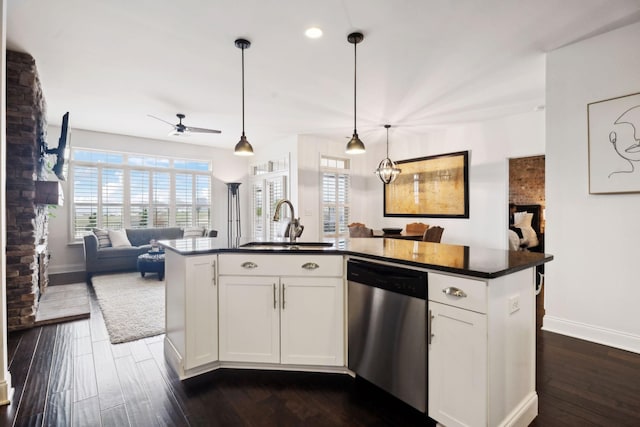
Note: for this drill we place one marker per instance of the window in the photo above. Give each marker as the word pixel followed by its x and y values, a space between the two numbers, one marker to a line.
pixel 268 185
pixel 335 197
pixel 115 190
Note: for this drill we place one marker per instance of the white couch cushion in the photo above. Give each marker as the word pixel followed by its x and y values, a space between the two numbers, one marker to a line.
pixel 119 238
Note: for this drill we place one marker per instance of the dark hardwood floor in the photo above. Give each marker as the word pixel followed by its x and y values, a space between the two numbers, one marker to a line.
pixel 69 374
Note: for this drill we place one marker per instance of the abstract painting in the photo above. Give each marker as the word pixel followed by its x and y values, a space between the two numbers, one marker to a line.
pixel 614 145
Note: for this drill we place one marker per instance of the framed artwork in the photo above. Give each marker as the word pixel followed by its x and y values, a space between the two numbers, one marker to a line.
pixel 433 187
pixel 614 145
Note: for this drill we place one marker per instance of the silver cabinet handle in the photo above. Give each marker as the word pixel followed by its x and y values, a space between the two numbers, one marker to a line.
pixel 249 265
pixel 283 302
pixel 274 297
pixel 429 327
pixel 454 292
pixel 310 266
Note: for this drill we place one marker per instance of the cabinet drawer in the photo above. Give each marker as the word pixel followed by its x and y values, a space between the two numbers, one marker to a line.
pixel 443 288
pixel 281 265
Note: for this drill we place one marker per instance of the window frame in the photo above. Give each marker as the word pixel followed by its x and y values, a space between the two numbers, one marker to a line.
pixel 337 166
pixel 261 177
pixel 167 166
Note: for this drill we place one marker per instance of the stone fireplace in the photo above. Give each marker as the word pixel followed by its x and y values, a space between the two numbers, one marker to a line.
pixel 27 221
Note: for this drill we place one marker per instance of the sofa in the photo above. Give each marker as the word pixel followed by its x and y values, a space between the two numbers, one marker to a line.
pixel 108 259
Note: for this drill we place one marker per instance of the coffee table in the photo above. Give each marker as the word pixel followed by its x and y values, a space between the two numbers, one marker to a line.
pixel 151 262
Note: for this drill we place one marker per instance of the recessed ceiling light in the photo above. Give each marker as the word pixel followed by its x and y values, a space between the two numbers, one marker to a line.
pixel 313 33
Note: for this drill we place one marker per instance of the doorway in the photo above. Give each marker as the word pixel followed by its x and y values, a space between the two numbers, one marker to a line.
pixel 527 187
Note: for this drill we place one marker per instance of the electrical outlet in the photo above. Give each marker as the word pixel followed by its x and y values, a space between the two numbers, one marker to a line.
pixel 514 304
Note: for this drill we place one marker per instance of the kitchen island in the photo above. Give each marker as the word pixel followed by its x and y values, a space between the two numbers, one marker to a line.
pixel 284 306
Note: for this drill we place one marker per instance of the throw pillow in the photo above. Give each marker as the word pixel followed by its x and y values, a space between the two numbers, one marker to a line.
pixel 119 238
pixel 193 232
pixel 518 217
pixel 103 237
pixel 524 220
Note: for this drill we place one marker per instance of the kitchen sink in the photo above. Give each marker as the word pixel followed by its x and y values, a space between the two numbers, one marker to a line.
pixel 287 245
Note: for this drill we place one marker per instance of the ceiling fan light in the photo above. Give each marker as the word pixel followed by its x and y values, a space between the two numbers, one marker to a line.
pixel 243 147
pixel 177 132
pixel 387 171
pixel 355 145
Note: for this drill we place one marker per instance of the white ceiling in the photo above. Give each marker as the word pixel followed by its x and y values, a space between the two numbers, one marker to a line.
pixel 423 63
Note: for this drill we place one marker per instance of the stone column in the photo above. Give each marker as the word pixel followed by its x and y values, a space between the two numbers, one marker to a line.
pixel 6 391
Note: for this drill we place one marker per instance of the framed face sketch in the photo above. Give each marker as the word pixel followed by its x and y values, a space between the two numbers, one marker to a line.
pixel 614 145
pixel 434 186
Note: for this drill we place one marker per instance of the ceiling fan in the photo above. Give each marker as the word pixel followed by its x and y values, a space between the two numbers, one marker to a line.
pixel 180 129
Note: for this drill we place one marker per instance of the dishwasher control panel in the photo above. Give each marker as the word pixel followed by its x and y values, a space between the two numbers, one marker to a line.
pixel 395 279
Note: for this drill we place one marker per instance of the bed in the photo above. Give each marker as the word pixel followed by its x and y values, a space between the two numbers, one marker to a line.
pixel 527 219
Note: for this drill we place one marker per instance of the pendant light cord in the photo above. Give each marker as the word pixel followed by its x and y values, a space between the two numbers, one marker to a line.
pixel 387 142
pixel 355 70
pixel 242 91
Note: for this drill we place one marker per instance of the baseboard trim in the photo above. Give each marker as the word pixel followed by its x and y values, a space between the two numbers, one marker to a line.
pixel 6 391
pixel 524 413
pixel 596 334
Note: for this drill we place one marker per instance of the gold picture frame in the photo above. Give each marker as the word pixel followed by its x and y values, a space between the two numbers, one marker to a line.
pixel 432 187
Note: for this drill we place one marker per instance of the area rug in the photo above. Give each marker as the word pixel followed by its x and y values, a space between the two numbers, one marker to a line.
pixel 132 306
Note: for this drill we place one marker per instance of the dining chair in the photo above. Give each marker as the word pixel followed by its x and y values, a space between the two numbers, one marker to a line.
pixel 360 231
pixel 417 227
pixel 433 234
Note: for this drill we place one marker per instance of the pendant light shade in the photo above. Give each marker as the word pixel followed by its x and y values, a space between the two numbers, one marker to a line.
pixel 355 145
pixel 387 170
pixel 243 147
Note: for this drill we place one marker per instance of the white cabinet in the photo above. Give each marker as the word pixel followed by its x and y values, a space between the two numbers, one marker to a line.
pixel 296 317
pixel 311 321
pixel 482 350
pixel 192 310
pixel 249 319
pixel 457 366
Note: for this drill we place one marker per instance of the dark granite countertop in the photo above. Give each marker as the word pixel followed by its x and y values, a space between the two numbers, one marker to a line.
pixel 464 260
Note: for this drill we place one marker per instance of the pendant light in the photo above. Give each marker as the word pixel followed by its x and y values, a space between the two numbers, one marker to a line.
pixel 243 148
pixel 387 170
pixel 355 146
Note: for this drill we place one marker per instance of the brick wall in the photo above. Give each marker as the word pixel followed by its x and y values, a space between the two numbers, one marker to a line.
pixel 27 223
pixel 526 181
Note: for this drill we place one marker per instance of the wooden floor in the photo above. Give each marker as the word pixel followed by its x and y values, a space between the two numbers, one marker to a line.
pixel 69 374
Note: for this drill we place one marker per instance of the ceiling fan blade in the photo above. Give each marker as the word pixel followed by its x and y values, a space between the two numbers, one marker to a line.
pixel 202 130
pixel 162 120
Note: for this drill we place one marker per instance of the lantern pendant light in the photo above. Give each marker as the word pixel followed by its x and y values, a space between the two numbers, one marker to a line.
pixel 355 146
pixel 243 148
pixel 387 170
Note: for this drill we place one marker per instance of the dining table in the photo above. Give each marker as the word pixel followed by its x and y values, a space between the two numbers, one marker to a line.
pixel 402 235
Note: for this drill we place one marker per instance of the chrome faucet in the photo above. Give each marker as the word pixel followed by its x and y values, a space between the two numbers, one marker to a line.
pixel 294 228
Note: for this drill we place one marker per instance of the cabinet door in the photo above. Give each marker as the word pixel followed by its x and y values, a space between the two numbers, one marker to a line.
pixel 312 321
pixel 249 319
pixel 457 362
pixel 201 311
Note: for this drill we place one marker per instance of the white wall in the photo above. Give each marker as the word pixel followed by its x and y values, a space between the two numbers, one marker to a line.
pixel 66 257
pixel 592 287
pixel 491 144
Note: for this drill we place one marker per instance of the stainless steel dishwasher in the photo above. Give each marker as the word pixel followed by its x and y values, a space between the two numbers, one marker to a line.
pixel 387 321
